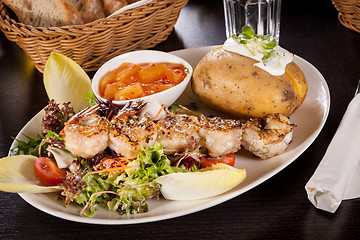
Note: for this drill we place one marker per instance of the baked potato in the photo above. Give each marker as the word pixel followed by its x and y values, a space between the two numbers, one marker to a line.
pixel 230 83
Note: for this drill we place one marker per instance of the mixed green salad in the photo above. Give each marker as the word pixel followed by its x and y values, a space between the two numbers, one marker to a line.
pixel 123 191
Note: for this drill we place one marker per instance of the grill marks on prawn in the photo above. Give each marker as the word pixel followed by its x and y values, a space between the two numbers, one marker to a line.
pixel 179 133
pixel 86 133
pixel 128 132
pixel 220 136
pixel 267 137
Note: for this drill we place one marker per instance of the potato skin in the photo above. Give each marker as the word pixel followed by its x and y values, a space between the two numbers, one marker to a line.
pixel 230 83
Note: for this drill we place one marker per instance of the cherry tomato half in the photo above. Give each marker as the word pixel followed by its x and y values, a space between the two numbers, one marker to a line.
pixel 228 159
pixel 48 173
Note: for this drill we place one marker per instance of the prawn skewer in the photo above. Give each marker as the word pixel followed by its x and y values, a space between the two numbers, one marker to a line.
pixel 87 133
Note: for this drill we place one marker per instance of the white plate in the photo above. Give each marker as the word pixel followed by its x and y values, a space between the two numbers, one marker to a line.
pixel 309 118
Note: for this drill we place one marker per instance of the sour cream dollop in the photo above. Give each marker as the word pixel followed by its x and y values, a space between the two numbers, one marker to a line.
pixel 276 66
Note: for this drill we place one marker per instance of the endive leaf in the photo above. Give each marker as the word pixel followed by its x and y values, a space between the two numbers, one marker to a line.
pixel 17 175
pixel 63 158
pixel 207 182
pixel 66 81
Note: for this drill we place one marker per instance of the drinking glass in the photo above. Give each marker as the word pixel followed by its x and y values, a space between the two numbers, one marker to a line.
pixel 262 15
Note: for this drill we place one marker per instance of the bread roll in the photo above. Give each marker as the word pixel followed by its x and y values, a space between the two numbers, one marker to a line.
pixel 49 13
pixel 90 10
pixel 111 6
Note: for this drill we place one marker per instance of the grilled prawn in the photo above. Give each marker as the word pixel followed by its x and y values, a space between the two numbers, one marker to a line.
pixel 178 133
pixel 267 137
pixel 86 133
pixel 220 136
pixel 128 132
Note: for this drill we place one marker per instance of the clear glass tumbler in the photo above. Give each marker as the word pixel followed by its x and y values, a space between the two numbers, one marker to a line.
pixel 262 15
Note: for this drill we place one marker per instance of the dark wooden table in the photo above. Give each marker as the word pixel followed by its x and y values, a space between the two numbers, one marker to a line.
pixel 276 209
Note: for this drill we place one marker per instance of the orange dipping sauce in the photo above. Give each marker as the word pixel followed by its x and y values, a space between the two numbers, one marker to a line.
pixel 130 81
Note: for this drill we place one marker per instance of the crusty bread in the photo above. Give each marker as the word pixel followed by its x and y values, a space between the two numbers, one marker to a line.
pixel 111 6
pixel 90 10
pixel 53 13
pixel 56 13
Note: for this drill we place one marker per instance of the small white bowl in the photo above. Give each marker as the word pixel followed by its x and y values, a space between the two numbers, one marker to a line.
pixel 167 97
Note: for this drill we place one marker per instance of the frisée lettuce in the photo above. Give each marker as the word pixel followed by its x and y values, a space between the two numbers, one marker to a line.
pixel 125 192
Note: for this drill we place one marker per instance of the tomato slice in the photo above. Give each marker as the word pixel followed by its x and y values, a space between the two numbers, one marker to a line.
pixel 228 159
pixel 48 173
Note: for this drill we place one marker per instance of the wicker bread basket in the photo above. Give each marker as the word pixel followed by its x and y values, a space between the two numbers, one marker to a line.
pixel 94 43
pixel 349 13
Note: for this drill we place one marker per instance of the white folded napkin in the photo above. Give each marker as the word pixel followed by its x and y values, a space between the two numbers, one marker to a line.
pixel 337 177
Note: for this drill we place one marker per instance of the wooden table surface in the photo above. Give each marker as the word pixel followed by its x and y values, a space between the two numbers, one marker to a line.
pixel 277 208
